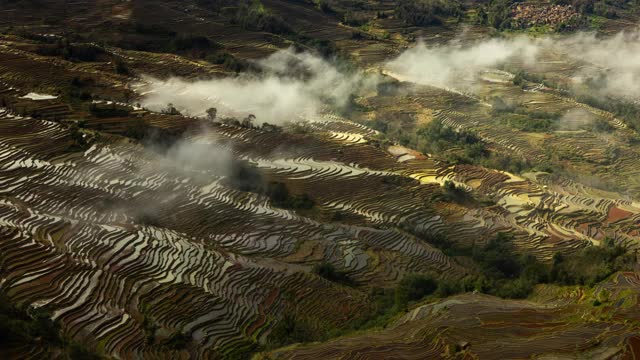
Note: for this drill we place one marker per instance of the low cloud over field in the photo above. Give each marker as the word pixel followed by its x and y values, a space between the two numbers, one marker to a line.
pixel 291 84
pixel 195 157
pixel 294 84
pixel 446 65
pixel 617 62
pixel 609 65
pixel 576 119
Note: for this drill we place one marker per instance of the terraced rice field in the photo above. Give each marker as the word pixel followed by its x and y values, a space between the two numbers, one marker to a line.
pixel 127 244
pixel 82 239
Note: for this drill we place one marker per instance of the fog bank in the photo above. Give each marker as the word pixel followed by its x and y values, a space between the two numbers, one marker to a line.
pixel 616 60
pixel 291 85
pixel 448 65
pixel 601 65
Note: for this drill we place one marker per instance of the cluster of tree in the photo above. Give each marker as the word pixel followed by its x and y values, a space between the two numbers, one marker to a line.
pixel 79 89
pixel 229 62
pixel 179 340
pixel 504 272
pixel 77 94
pixel 291 330
pixel 72 52
pixel 387 86
pixel 254 16
pixel 148 219
pixel 498 14
pixel 324 6
pixel 427 12
pixel 499 271
pixel 280 196
pixel 521 77
pixel 184 43
pixel 437 138
pixel 523 119
pixel 455 193
pixel 329 272
pixel 27 327
pixel 78 137
pixel 108 110
pixel 193 45
pixel 157 38
pixel 23 326
pixel 121 67
pixel 170 110
pixel 324 47
pixel 136 129
pixel 529 122
pixel 80 52
pixel 248 122
pixel 386 303
pixel 153 29
pixel 245 177
pixel 601 125
pixel 590 265
pixel 355 19
pixel 413 287
pixel 455 146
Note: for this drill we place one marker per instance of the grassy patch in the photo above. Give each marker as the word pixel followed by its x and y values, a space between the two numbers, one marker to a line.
pixel 595 22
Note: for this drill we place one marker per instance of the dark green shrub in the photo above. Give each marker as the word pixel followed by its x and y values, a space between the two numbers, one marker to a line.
pixel 193 42
pixel 107 111
pixel 454 192
pixel 290 330
pixel 590 265
pixel 413 287
pixel 122 68
pixel 228 61
pixel 499 14
pixel 329 272
pixel 178 341
pixel 280 197
pixel 256 17
pixel 136 129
